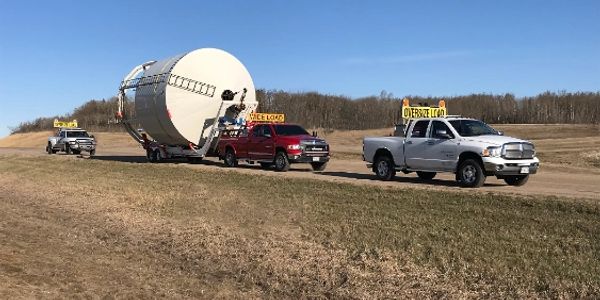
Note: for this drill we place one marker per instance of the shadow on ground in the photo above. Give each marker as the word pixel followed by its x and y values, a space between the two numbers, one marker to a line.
pixel 414 180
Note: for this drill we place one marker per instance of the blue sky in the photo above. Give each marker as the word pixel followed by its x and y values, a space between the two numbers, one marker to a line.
pixel 55 55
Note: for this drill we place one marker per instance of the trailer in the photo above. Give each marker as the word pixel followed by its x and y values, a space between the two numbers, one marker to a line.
pixel 182 103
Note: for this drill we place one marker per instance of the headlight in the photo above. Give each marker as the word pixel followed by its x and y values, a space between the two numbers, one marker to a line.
pixel 492 152
pixel 294 147
pixel 72 142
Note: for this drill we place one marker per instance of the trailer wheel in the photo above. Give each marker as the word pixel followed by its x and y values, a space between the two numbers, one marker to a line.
pixel 517 180
pixel 470 174
pixel 230 160
pixel 155 156
pixel 282 163
pixel 318 166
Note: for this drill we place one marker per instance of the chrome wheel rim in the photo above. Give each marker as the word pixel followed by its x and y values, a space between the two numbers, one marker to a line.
pixel 469 174
pixel 383 168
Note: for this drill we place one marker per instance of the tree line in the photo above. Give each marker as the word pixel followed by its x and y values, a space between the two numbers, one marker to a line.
pixel 315 110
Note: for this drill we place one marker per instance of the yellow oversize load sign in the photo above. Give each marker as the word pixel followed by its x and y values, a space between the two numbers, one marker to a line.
pixel 414 112
pixel 261 117
pixel 65 124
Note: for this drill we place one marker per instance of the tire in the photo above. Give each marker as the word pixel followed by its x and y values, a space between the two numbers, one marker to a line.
pixel 281 162
pixel 230 160
pixel 384 167
pixel 76 151
pixel 49 149
pixel 67 149
pixel 470 174
pixel 318 166
pixel 265 166
pixel 155 156
pixel 517 180
pixel 92 152
pixel 426 175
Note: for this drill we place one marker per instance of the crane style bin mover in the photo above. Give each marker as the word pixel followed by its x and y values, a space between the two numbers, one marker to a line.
pixel 183 102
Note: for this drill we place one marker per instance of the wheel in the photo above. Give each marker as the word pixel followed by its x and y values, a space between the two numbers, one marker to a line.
pixel 318 166
pixel 49 149
pixel 76 151
pixel 470 174
pixel 92 152
pixel 517 180
pixel 426 175
pixel 230 160
pixel 265 166
pixel 155 156
pixel 67 149
pixel 282 163
pixel 384 167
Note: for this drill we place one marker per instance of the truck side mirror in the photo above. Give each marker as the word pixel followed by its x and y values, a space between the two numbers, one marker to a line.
pixel 266 134
pixel 500 132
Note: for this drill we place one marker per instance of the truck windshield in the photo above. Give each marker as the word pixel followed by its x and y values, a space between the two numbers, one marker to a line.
pixel 289 130
pixel 77 134
pixel 472 128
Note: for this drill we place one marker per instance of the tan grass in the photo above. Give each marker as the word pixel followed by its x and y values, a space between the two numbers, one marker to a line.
pixel 144 231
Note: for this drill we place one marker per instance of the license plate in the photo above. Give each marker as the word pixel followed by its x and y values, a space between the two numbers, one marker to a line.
pixel 315 159
pixel 524 170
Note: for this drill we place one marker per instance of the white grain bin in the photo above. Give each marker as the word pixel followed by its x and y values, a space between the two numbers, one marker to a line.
pixel 178 99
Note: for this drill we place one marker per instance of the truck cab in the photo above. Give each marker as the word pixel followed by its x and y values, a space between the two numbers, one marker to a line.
pixel 275 145
pixel 467 147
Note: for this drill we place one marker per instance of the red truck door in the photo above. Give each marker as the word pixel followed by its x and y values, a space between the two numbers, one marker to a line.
pixel 261 143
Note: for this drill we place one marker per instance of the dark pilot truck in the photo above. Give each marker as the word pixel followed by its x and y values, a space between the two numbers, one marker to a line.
pixel 273 144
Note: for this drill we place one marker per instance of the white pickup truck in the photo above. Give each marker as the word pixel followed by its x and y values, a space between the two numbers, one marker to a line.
pixel 469 148
pixel 71 140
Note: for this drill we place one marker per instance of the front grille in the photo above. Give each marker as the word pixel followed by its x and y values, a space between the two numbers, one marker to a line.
pixel 518 151
pixel 84 142
pixel 315 148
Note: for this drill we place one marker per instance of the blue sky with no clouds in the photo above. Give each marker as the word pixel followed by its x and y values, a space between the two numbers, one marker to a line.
pixel 55 55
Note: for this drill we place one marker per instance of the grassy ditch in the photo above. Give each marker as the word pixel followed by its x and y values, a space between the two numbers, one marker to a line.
pixel 227 234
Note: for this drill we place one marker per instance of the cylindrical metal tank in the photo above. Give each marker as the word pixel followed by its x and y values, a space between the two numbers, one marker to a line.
pixel 178 99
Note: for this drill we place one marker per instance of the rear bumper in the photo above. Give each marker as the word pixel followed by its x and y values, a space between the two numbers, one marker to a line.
pixel 307 159
pixel 505 167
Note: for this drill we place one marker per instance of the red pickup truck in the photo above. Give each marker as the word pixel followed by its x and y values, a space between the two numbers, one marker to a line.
pixel 273 144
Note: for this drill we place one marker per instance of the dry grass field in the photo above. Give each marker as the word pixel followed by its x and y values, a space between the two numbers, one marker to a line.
pixel 144 230
pixel 93 228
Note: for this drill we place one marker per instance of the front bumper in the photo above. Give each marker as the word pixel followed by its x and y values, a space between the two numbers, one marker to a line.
pixel 82 147
pixel 499 166
pixel 303 158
